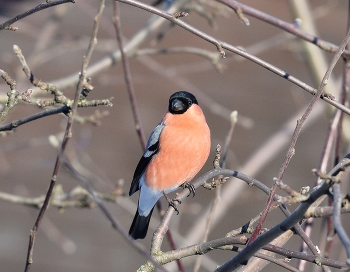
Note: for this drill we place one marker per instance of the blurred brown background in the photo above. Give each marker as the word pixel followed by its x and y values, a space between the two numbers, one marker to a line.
pixel 82 239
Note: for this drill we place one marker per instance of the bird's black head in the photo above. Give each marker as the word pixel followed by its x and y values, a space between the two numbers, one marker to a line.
pixel 180 102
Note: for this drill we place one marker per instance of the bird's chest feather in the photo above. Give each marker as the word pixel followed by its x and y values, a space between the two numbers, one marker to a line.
pixel 183 150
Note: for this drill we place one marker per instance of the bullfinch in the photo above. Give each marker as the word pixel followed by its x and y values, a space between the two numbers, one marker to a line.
pixel 176 150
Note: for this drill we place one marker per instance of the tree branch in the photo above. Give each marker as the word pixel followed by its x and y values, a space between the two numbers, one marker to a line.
pixel 42 6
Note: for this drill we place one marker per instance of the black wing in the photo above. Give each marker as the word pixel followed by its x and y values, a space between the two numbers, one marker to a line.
pixel 151 149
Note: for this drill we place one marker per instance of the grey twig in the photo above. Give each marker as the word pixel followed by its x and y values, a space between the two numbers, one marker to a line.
pixel 300 123
pixel 163 227
pixel 115 224
pixel 289 254
pixel 16 123
pixel 76 198
pixel 12 100
pixel 243 257
pixel 127 77
pixel 67 136
pixel 7 24
pixel 344 238
pixel 326 153
pixel 59 98
pixel 288 27
pixel 220 45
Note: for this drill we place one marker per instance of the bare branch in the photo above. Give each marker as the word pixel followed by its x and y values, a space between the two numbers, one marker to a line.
pixel 337 221
pixel 243 257
pixel 67 135
pixel 300 123
pixel 115 224
pixel 76 198
pixel 12 95
pixel 16 123
pixel 127 77
pixel 288 27
pixel 220 45
pixel 42 6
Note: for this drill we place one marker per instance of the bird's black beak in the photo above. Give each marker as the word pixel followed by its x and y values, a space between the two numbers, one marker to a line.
pixel 177 105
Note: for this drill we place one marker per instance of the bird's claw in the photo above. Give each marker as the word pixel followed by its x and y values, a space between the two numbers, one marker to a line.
pixel 190 187
pixel 172 204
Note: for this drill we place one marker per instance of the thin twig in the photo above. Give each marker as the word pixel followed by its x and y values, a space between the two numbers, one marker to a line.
pixel 8 23
pixel 221 163
pixel 288 27
pixel 59 97
pixel 300 123
pixel 115 224
pixel 242 258
pixel 67 136
pixel 317 212
pixel 344 238
pixel 339 138
pixel 233 122
pixel 326 153
pixel 197 249
pixel 12 100
pixel 213 56
pixel 127 77
pixel 200 249
pixel 220 45
pixel 16 123
pixel 212 210
pixel 134 106
pixel 162 228
pixel 288 253
pixel 303 256
pixel 76 198
pixel 130 47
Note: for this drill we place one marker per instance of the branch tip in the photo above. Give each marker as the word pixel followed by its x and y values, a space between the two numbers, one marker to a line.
pixel 241 16
pixel 233 117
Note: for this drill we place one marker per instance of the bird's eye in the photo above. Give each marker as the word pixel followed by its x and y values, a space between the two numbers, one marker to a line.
pixel 189 102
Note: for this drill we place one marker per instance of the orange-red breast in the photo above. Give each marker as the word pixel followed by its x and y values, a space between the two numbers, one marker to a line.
pixel 176 150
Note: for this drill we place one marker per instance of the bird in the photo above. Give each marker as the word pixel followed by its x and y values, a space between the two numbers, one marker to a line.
pixel 175 152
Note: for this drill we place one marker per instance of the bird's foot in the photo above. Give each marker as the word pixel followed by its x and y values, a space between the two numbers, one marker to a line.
pixel 172 202
pixel 190 187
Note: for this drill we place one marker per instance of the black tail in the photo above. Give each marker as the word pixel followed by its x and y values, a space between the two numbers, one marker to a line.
pixel 139 226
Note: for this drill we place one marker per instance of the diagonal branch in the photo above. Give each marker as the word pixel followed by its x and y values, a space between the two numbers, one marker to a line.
pixel 243 257
pixel 7 24
pixel 300 123
pixel 220 45
pixel 67 136
pixel 16 123
pixel 241 9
